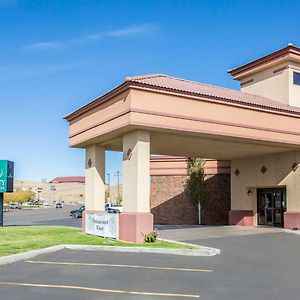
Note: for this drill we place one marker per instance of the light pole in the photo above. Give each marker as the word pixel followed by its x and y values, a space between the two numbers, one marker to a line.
pixel 118 175
pixel 108 183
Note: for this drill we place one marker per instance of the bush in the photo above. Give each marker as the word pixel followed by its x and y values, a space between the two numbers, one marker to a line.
pixel 151 237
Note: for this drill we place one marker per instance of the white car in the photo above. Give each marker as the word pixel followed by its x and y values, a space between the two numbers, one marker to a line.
pixel 15 206
pixel 118 207
pixel 58 205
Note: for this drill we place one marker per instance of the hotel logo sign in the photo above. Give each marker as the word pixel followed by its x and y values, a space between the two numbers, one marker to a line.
pixel 105 225
pixel 6 176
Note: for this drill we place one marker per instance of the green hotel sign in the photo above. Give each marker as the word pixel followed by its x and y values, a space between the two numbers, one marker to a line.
pixel 6 176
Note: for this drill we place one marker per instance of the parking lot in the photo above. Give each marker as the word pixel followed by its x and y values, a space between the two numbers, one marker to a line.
pixel 257 266
pixel 42 217
pixel 255 263
pixel 93 275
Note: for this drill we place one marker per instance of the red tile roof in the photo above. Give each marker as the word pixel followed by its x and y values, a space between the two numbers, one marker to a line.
pixel 68 179
pixel 183 87
pixel 164 82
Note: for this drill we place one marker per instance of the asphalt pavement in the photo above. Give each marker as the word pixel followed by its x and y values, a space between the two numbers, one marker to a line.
pixel 49 216
pixel 255 263
pixel 111 276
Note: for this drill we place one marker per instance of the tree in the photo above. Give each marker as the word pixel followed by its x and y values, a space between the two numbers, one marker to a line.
pixel 18 196
pixel 195 183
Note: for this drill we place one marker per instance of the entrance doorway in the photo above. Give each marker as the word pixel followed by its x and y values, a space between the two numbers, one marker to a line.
pixel 271 205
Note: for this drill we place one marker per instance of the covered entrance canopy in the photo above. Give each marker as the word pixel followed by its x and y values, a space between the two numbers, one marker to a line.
pixel 159 114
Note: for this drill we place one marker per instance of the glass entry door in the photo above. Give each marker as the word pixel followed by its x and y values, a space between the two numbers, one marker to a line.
pixel 271 204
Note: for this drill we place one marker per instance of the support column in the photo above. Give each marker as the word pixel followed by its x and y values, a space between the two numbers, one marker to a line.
pixel 136 219
pixel 94 180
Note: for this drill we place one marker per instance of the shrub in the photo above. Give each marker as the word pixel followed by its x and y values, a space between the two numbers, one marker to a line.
pixel 151 237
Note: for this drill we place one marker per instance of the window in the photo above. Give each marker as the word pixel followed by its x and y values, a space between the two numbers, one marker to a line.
pixel 296 78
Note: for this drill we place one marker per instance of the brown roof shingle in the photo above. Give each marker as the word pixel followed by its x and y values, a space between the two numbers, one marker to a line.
pixel 170 84
pixel 161 81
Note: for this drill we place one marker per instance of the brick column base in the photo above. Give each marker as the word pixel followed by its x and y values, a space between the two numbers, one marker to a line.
pixel 134 226
pixel 241 217
pixel 292 219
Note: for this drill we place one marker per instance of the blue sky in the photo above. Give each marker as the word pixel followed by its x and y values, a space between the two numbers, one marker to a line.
pixel 58 55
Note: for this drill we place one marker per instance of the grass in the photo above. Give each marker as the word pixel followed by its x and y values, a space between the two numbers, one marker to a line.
pixel 17 239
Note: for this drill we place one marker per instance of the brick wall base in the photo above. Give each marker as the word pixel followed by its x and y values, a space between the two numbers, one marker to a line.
pixel 241 217
pixel 171 205
pixel 292 220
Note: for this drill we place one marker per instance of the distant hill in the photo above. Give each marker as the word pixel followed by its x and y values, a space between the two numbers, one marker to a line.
pixel 49 192
pixel 72 193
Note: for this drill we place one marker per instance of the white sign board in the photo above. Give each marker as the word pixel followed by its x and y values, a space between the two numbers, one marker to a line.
pixel 106 225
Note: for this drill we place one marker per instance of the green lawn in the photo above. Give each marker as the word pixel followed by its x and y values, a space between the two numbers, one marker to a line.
pixel 17 239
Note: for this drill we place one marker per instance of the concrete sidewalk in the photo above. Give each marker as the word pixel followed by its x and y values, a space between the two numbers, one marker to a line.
pixel 198 232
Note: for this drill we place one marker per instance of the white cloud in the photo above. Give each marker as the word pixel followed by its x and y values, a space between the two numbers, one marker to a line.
pixel 138 30
pixel 15 72
pixel 124 32
pixel 42 46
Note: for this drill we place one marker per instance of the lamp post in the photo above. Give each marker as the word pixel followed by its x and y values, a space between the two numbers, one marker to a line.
pixel 108 184
pixel 118 176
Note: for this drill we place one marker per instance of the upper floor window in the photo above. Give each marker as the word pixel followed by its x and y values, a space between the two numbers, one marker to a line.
pixel 296 78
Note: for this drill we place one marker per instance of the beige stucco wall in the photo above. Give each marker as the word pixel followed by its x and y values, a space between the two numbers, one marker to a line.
pixel 294 90
pixel 164 165
pixel 95 178
pixel 164 112
pixel 279 173
pixel 277 86
pixel 179 113
pixel 269 85
pixel 136 172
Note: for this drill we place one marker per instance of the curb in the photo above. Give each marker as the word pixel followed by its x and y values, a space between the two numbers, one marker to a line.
pixel 212 251
pixel 27 255
pixel 202 251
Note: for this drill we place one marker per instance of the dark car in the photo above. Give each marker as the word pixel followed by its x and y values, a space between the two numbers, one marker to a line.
pixel 77 213
pixel 112 210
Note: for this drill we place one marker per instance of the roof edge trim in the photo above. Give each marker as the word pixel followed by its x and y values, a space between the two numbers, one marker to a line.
pixel 101 99
pixel 290 49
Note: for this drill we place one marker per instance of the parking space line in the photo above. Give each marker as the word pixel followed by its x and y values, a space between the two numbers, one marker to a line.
pixel 117 266
pixel 96 289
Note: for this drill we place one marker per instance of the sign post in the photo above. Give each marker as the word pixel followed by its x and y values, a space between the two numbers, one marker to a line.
pixel 1 209
pixel 6 182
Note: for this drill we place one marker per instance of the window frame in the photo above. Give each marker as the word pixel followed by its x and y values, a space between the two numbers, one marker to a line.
pixel 296 78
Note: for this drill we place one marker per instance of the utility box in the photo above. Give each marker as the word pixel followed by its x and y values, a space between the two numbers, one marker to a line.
pixel 6 176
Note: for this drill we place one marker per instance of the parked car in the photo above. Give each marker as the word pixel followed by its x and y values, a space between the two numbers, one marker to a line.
pixel 118 207
pixel 111 210
pixel 114 206
pixel 58 205
pixel 77 213
pixel 15 206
